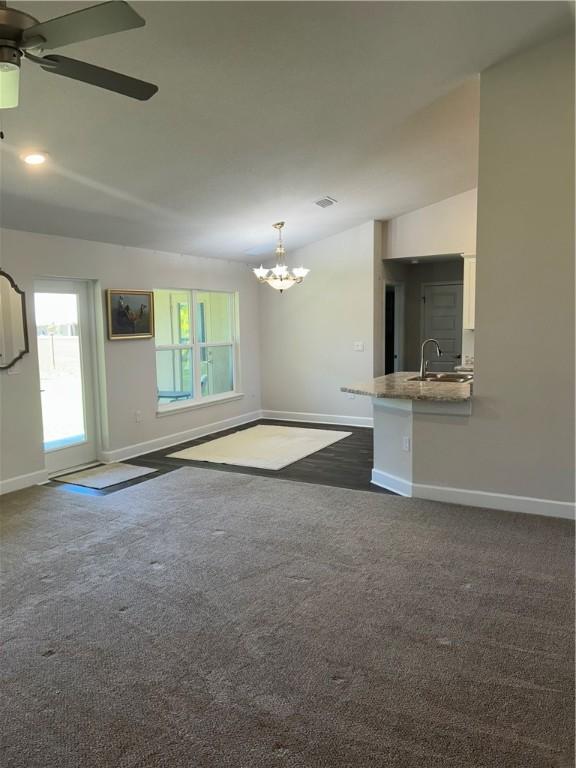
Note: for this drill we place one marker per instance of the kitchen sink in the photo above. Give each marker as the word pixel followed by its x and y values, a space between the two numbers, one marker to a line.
pixel 453 378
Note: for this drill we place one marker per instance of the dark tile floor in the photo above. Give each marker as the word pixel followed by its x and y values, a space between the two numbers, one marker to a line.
pixel 345 464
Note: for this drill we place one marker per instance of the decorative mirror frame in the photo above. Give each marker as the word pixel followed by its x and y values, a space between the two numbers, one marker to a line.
pixel 24 321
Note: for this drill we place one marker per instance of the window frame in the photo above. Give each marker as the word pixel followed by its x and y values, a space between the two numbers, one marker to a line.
pixel 195 346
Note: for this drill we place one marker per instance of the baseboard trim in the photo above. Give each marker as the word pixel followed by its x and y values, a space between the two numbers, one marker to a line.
pixel 320 418
pixel 167 441
pixel 485 499
pixel 473 498
pixel 23 481
pixel 501 501
pixel 391 483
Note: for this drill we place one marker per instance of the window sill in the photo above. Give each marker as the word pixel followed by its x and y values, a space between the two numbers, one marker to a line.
pixel 166 410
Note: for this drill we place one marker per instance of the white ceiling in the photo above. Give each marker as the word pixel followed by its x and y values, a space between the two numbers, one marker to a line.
pixel 263 108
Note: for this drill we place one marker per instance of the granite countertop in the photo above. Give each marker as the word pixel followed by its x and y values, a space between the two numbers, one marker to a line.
pixel 395 386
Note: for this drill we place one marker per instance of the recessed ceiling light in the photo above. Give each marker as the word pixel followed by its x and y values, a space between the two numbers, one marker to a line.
pixel 35 158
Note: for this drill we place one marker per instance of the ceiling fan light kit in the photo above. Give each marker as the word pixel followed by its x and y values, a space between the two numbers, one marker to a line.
pixel 9 83
pixel 20 34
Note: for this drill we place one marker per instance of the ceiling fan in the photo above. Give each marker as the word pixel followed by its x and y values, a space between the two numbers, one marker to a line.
pixel 20 34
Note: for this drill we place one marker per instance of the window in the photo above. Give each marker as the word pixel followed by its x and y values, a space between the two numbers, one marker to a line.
pixel 196 346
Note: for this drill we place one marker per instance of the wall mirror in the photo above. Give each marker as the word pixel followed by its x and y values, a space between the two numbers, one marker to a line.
pixel 13 329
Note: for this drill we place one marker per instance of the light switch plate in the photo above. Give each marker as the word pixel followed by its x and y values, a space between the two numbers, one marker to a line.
pixel 358 346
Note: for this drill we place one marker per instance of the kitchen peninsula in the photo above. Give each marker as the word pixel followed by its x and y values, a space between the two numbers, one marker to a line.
pixel 401 404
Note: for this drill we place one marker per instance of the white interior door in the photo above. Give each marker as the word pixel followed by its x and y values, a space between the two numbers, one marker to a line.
pixel 443 322
pixel 63 310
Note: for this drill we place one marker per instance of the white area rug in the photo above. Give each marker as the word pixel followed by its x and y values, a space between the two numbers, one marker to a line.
pixel 265 446
pixel 102 477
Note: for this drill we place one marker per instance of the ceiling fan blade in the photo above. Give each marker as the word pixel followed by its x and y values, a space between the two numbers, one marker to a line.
pixel 103 78
pixel 98 20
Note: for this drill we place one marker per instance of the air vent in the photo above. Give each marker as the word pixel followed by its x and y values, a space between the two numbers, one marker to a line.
pixel 324 202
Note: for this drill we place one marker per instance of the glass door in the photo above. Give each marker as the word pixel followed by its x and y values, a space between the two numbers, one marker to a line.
pixel 63 313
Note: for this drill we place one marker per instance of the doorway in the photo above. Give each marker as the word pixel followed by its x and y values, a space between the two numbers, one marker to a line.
pixel 393 327
pixel 64 329
pixel 442 320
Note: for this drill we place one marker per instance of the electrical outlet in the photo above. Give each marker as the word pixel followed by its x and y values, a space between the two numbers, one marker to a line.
pixel 358 346
pixel 137 416
pixel 406 444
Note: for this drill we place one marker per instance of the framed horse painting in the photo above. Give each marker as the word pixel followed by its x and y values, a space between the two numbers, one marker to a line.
pixel 130 314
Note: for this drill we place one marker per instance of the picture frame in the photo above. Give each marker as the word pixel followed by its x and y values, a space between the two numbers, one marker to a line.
pixel 130 314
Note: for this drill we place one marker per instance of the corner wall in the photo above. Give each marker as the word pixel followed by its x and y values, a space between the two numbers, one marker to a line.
pixel 520 438
pixel 308 332
pixel 129 366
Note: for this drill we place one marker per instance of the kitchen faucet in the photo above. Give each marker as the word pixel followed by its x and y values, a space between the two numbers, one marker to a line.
pixel 424 364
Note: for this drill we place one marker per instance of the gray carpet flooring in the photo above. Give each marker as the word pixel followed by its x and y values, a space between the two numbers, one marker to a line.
pixel 216 619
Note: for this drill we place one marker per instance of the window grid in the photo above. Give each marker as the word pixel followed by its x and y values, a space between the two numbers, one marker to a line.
pixel 196 346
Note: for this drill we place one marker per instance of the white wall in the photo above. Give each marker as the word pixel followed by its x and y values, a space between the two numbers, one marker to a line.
pixel 520 437
pixel 445 227
pixel 129 365
pixel 308 332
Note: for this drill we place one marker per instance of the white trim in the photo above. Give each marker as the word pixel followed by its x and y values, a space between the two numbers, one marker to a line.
pixel 86 450
pixel 23 481
pixel 129 451
pixel 485 499
pixel 195 347
pixel 489 500
pixel 191 405
pixel 320 418
pixel 391 483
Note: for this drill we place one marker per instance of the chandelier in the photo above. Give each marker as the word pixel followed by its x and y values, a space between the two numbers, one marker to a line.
pixel 280 277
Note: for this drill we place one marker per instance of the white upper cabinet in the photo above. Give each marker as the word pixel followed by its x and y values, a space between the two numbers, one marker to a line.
pixel 469 307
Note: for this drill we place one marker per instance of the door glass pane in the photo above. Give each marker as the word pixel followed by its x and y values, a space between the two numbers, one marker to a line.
pixel 172 317
pixel 60 369
pixel 213 317
pixel 174 375
pixel 216 372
